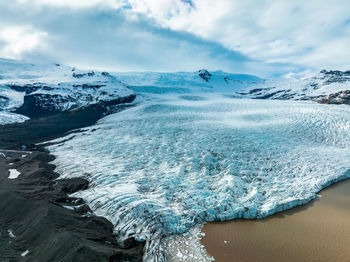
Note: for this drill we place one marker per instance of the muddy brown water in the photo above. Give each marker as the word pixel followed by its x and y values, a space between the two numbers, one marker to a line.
pixel 316 232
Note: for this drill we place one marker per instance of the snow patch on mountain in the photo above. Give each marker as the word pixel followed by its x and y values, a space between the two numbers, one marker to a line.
pixel 10 99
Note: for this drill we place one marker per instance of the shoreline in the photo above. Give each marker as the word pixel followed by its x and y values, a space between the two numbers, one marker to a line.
pixel 318 231
pixel 38 219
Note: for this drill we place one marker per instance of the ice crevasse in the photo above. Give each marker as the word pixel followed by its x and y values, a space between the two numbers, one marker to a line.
pixel 173 162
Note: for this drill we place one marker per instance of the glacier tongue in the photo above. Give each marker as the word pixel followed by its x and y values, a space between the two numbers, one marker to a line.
pixel 173 162
pixel 11 118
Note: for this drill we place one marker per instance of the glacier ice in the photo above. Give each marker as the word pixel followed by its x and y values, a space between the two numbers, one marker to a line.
pixel 10 118
pixel 187 82
pixel 170 163
pixel 9 100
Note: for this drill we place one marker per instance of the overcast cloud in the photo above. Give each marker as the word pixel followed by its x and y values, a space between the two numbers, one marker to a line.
pixel 260 37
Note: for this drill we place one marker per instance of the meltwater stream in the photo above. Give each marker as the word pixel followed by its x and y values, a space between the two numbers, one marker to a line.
pixel 175 161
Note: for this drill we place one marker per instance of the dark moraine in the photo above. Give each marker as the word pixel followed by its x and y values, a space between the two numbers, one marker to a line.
pixel 32 216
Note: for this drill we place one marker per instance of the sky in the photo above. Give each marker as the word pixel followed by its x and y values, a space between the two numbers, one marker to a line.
pixel 261 37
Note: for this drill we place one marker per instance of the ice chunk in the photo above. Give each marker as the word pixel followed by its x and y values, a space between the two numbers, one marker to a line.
pixel 13 173
pixel 11 233
pixel 179 254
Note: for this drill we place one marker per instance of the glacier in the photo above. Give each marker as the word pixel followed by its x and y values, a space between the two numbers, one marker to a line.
pixel 177 160
pixel 10 100
pixel 187 82
pixel 11 118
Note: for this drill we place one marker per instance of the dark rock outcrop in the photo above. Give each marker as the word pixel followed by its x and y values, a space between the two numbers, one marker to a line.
pixel 335 76
pixel 39 105
pixel 81 75
pixel 28 88
pixel 44 127
pixel 204 74
pixel 336 72
pixel 342 97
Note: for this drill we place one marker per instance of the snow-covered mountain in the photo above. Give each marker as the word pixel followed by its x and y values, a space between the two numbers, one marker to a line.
pixel 35 89
pixel 40 89
pixel 331 87
pixel 187 82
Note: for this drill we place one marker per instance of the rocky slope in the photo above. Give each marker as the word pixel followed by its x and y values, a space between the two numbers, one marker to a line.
pixel 38 90
pixel 38 220
pixel 328 87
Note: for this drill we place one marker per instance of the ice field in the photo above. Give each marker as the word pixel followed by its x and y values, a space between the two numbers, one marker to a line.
pixel 175 161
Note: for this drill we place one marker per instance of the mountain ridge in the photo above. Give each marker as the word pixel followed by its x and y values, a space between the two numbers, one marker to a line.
pixel 327 87
pixel 35 90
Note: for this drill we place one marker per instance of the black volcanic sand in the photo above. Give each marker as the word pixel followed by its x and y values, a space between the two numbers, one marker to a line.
pixel 31 206
pixel 44 126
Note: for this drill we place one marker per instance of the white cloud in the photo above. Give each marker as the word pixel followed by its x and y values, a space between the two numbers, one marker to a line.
pixel 18 40
pixel 108 39
pixel 172 35
pixel 75 3
pixel 291 31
